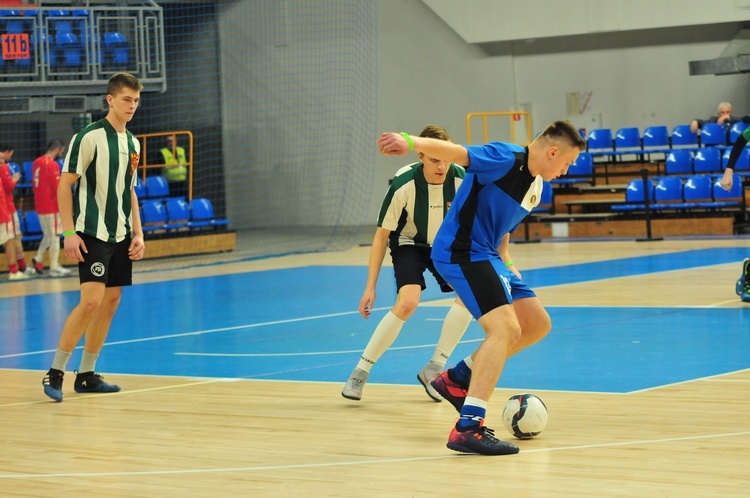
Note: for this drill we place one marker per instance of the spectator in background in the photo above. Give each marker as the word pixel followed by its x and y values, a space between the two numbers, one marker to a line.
pixel 13 247
pixel 46 178
pixel 725 118
pixel 175 169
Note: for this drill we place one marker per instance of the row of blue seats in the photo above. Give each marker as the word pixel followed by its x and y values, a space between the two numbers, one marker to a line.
pixel 677 162
pixel 176 214
pixel 66 40
pixel 657 139
pixel 155 187
pixel 674 192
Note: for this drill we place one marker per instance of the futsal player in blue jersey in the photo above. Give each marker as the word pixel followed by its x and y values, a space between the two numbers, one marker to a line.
pixel 503 183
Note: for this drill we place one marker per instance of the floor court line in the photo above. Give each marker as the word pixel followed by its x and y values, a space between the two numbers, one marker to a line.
pixel 364 462
pixel 201 332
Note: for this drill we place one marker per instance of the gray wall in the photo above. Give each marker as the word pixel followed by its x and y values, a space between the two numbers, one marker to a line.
pixel 400 68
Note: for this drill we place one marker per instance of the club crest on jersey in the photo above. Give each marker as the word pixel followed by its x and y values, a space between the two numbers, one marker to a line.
pixel 448 205
pixel 134 160
pixel 533 199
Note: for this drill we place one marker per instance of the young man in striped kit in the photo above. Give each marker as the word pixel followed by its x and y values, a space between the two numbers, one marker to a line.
pixel 102 230
pixel 410 216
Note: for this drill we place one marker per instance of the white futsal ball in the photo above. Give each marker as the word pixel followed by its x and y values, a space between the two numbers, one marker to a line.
pixel 525 416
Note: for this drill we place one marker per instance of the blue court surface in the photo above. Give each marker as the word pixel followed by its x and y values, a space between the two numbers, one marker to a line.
pixel 302 324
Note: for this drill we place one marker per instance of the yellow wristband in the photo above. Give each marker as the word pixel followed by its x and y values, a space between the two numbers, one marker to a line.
pixel 408 140
pixel 509 263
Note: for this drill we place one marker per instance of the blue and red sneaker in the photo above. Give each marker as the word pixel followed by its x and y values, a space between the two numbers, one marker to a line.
pixel 479 439
pixel 454 392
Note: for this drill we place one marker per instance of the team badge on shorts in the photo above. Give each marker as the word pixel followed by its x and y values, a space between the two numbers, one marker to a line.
pixel 134 160
pixel 97 269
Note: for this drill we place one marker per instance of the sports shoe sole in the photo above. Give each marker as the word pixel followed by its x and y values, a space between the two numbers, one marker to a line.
pixel 53 393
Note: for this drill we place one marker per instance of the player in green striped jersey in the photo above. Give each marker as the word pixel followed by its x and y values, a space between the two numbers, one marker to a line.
pixel 102 229
pixel 412 211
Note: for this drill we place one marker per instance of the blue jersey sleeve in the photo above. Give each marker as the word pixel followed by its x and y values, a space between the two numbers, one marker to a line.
pixel 491 161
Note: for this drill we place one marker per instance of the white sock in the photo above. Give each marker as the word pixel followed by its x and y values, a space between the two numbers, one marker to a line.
pixel 456 322
pixel 469 362
pixel 54 255
pixel 385 333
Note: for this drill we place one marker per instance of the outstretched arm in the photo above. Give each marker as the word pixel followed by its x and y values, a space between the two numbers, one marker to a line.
pixel 739 144
pixel 396 144
pixel 377 253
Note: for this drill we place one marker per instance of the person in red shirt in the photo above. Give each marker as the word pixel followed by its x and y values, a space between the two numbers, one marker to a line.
pixel 46 171
pixel 13 248
pixel 5 218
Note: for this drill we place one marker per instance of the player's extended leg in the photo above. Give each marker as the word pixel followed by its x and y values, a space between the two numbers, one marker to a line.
pixel 469 434
pixel 385 333
pixel 92 294
pixel 87 380
pixel 454 326
pixel 535 325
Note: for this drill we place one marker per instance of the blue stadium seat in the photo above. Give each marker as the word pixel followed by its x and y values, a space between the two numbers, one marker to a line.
pixel 26 177
pixel 668 193
pixel 202 214
pixel 707 160
pixel 581 171
pixel 627 138
pixel 31 227
pixel 59 21
pixel 697 188
pixel 628 142
pixel 157 187
pixel 682 136
pixel 178 213
pixel 713 134
pixel 600 138
pixel 140 191
pixel 736 130
pixel 69 47
pixel 115 49
pixel 153 216
pixel 722 198
pixel 635 196
pixel 743 162
pixel 679 162
pixel 655 140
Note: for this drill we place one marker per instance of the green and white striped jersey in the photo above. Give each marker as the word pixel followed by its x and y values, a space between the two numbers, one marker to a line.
pixel 106 162
pixel 413 209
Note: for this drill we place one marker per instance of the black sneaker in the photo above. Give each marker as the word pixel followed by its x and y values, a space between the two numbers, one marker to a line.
pixel 52 383
pixel 744 276
pixel 479 439
pixel 90 382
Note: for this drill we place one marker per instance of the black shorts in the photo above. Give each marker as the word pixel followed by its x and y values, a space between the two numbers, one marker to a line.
pixel 106 262
pixel 409 264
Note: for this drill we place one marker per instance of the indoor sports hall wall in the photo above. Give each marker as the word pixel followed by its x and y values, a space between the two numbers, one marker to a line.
pixel 285 99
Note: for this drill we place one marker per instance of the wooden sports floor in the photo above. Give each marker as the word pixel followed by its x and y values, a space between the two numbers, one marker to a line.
pixel 232 374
